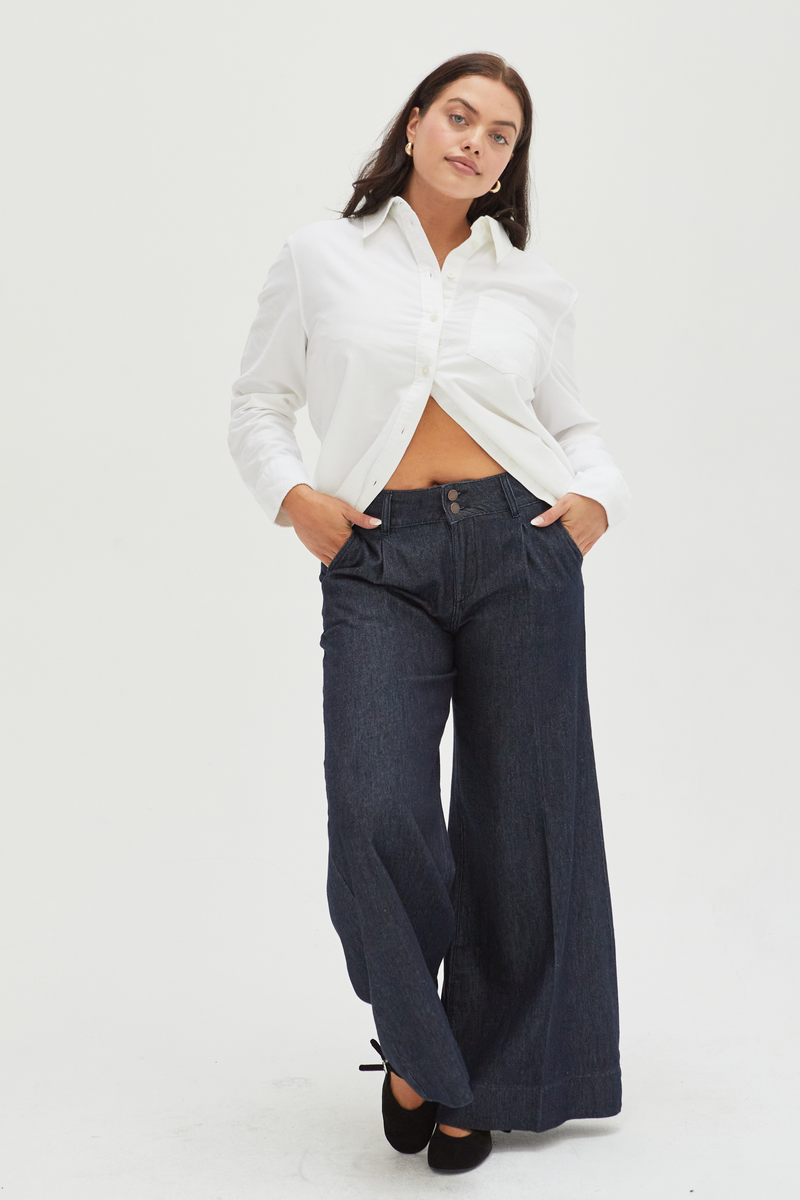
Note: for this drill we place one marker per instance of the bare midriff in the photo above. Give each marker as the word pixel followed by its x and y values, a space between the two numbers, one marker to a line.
pixel 440 451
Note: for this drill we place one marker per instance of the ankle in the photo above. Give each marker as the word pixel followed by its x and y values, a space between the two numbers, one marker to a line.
pixel 403 1093
pixel 455 1131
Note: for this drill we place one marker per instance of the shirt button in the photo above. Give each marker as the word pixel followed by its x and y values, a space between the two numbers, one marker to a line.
pixel 452 494
pixel 434 316
pixel 455 507
pixel 451 274
pixel 425 370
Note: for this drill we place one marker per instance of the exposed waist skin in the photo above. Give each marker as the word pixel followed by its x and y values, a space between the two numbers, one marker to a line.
pixel 440 450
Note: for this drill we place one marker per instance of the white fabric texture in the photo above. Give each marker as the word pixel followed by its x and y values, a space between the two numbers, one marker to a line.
pixel 357 320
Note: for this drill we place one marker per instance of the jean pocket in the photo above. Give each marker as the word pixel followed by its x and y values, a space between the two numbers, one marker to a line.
pixel 503 337
pixel 342 549
pixel 568 536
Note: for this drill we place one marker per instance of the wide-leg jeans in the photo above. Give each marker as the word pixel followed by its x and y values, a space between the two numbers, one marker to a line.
pixel 457 599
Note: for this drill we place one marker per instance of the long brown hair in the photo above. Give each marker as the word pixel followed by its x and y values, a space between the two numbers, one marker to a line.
pixel 386 171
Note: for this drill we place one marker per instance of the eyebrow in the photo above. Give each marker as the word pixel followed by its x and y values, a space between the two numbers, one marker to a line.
pixel 459 100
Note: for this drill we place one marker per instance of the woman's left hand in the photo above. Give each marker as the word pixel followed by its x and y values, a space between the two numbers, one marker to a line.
pixel 585 520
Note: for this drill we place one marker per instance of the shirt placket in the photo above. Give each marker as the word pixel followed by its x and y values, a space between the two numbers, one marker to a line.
pixel 432 304
pixel 428 335
pixel 454 266
pixel 437 292
pixel 437 289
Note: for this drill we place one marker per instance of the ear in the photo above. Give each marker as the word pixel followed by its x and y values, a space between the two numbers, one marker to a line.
pixel 413 122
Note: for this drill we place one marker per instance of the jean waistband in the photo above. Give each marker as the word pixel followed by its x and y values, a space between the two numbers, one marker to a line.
pixel 451 502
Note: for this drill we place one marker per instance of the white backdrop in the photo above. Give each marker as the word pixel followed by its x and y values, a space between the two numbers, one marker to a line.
pixel 177 1019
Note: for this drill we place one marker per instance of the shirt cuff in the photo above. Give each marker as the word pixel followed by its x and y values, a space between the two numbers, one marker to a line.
pixel 613 494
pixel 273 486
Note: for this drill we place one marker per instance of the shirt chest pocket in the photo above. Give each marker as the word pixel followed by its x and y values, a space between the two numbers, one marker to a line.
pixel 503 337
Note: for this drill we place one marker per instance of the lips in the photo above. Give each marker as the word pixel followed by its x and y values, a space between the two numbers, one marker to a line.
pixel 465 165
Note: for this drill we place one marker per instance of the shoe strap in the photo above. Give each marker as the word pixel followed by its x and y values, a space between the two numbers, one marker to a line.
pixel 383 1065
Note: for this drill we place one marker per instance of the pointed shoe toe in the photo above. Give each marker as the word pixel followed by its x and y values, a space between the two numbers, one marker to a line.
pixel 451 1154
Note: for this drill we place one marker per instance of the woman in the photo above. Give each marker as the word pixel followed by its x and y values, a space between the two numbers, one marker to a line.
pixel 459 485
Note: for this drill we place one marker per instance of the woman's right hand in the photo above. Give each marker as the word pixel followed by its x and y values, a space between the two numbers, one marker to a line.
pixel 322 522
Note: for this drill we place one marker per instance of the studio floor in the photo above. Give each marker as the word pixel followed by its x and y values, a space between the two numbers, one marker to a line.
pixel 701 1121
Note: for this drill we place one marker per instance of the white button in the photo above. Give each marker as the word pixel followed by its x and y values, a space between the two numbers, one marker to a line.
pixel 451 274
pixel 434 316
pixel 424 370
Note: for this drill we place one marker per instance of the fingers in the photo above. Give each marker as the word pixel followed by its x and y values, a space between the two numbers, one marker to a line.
pixel 584 519
pixel 552 514
pixel 358 518
pixel 350 517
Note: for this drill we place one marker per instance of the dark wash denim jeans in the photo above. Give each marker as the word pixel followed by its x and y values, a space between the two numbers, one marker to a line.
pixel 457 598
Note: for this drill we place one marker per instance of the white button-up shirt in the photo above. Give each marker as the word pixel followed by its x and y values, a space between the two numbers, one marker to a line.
pixel 357 320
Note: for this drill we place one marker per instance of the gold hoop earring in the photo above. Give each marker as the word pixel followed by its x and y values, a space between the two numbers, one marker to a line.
pixel 409 150
pixel 496 187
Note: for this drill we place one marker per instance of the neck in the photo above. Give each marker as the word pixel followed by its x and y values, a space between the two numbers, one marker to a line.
pixel 443 218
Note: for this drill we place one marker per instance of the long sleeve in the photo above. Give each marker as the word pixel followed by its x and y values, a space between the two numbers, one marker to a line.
pixel 557 405
pixel 269 391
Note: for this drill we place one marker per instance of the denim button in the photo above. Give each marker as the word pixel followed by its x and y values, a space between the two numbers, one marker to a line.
pixel 452 494
pixel 455 507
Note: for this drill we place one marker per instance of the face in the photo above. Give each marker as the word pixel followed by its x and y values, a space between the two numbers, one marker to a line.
pixel 466 138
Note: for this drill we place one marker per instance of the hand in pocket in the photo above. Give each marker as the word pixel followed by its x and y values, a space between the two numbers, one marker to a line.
pixel 322 522
pixel 584 519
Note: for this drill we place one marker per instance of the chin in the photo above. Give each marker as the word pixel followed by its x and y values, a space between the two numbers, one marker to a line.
pixel 457 190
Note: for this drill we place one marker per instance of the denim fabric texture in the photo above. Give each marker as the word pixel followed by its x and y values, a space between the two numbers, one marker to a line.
pixel 457 599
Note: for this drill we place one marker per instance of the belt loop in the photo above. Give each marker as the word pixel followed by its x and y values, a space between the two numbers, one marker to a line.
pixel 505 482
pixel 386 513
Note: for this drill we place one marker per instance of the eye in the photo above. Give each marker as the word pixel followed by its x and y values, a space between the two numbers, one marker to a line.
pixel 502 141
pixel 457 117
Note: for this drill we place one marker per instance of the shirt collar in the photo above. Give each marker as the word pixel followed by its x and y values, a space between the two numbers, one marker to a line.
pixel 484 226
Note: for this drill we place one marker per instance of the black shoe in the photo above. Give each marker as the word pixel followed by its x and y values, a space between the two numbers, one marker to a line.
pixel 407 1129
pixel 448 1153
